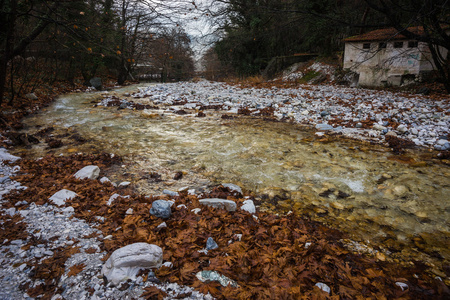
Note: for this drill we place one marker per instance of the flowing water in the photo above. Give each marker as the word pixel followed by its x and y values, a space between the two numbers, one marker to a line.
pixel 398 203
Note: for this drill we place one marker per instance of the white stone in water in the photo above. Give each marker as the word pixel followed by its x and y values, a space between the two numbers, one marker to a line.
pixel 112 198
pixel 249 206
pixel 126 262
pixel 323 287
pixel 88 172
pixel 219 203
pixel 59 198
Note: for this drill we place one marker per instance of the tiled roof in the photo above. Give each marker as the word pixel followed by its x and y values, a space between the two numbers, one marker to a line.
pixel 386 34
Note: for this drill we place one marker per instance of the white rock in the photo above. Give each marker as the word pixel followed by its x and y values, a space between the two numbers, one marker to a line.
pixel 323 287
pixel 112 198
pixel 379 127
pixel 168 264
pixel 126 262
pixel 129 211
pixel 124 184
pixel 402 128
pixel 232 187
pixel 88 172
pixel 162 225
pixel 59 198
pixel 249 206
pixel 104 180
pixel 400 191
pixel 196 210
pixel 402 285
pixel 219 203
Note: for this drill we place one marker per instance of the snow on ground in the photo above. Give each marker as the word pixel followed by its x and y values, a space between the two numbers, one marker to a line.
pixel 360 113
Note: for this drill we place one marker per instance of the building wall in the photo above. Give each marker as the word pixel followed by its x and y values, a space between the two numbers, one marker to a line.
pixel 379 66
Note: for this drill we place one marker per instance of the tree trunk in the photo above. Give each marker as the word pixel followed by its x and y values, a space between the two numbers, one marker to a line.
pixel 8 48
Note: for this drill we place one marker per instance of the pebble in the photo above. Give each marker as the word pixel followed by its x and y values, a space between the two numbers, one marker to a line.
pixel 161 209
pixel 323 287
pixel 211 244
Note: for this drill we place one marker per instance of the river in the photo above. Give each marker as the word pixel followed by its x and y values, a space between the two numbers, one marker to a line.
pixel 396 203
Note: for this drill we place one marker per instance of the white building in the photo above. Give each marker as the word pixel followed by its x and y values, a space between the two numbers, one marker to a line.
pixel 386 57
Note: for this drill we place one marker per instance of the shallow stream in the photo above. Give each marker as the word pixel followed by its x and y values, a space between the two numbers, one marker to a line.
pixel 399 203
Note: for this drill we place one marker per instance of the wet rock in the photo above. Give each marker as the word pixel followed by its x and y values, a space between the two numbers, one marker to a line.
pixel 88 172
pixel 208 276
pixel 211 244
pixel 161 209
pixel 400 191
pixel 59 198
pixel 126 262
pixel 219 203
pixel 249 206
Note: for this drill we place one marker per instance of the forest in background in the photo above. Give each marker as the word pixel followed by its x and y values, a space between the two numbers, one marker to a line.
pixel 255 31
pixel 43 42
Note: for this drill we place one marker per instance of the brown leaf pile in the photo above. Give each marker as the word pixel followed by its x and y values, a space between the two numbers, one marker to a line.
pixel 277 257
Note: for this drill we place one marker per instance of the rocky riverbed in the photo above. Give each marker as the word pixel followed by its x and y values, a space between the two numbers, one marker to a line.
pixel 57 248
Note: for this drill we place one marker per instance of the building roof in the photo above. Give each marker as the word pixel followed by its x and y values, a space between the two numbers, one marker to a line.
pixel 385 34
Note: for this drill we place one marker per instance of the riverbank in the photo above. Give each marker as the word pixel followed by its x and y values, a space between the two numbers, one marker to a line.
pixel 52 251
pixel 263 258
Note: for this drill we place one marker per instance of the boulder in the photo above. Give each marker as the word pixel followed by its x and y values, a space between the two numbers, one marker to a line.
pixel 88 172
pixel 96 82
pixel 126 262
pixel 219 203
pixel 161 209
pixel 59 198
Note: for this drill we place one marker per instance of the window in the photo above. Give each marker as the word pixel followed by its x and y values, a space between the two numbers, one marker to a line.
pixel 366 46
pixel 398 44
pixel 413 44
pixel 382 45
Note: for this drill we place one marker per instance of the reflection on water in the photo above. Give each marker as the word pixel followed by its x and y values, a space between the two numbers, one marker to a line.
pixel 357 187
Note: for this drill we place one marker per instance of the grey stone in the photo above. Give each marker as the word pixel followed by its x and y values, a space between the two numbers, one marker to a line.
pixel 402 128
pixel 323 287
pixel 59 198
pixel 96 82
pixel 378 127
pixel 4 179
pixel 219 203
pixel 324 127
pixel 161 209
pixel 359 125
pixel 232 187
pixel 88 172
pixel 249 206
pixel 324 113
pixel 171 193
pixel 207 276
pixel 126 262
pixel 211 244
